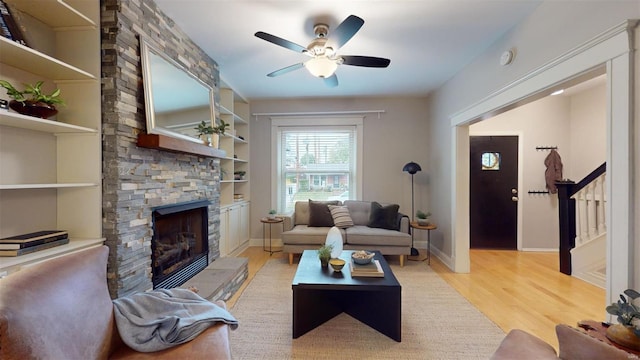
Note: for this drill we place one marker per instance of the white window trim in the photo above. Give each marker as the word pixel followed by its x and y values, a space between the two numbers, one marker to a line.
pixel 309 122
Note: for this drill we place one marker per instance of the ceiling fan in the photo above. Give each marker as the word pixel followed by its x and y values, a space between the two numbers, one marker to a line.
pixel 323 51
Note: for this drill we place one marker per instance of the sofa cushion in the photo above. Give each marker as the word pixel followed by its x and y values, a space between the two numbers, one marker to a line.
pixel 341 216
pixel 306 235
pixel 364 235
pixel 384 217
pixel 319 214
pixel 359 211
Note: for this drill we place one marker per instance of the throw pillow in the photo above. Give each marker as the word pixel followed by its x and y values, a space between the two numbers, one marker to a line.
pixel 341 216
pixel 384 217
pixel 319 214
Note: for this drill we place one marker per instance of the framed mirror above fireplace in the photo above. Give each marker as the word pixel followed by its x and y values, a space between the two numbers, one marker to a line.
pixel 176 100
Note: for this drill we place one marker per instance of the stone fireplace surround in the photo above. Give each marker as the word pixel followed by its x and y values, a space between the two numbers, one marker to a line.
pixel 136 180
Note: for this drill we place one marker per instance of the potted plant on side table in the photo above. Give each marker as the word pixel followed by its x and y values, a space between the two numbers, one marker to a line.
pixel 627 331
pixel 423 217
pixel 32 101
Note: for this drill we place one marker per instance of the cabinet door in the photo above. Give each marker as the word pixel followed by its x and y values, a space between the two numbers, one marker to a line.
pixel 244 222
pixel 234 228
pixel 224 232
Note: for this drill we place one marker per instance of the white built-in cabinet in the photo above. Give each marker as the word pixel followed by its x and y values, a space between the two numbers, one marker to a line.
pixel 51 170
pixel 234 227
pixel 234 192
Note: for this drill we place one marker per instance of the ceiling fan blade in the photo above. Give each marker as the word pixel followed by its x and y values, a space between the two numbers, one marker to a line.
pixel 281 42
pixel 286 70
pixel 331 81
pixel 344 32
pixel 366 61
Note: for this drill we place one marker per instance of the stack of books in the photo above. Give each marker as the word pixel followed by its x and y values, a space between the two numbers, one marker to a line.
pixel 32 242
pixel 9 28
pixel 238 197
pixel 372 269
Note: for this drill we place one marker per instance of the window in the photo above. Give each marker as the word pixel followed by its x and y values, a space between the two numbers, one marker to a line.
pixel 318 162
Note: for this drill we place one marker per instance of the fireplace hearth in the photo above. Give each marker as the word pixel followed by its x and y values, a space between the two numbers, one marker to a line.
pixel 180 244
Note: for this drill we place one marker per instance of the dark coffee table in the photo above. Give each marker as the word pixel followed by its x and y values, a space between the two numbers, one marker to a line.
pixel 319 294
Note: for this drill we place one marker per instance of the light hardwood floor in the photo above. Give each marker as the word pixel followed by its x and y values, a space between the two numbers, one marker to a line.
pixel 514 289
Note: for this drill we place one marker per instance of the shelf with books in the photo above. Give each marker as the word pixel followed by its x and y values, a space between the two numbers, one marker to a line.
pixel 9 265
pixel 51 170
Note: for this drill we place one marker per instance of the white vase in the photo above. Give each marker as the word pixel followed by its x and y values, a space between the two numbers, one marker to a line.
pixel 334 238
pixel 215 140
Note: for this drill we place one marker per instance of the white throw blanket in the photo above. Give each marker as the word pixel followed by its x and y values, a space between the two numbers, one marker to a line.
pixel 162 318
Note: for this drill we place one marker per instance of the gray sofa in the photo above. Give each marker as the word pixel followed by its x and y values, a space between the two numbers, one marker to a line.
pixel 299 236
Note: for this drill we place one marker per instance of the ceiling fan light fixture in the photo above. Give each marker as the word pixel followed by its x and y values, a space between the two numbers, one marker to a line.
pixel 321 66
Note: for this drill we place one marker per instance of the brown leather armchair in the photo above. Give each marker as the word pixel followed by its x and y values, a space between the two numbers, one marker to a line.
pixel 61 309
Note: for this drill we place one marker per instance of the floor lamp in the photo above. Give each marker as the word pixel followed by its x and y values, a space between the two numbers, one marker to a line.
pixel 412 168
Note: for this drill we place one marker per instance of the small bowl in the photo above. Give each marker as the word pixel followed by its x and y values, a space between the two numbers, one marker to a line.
pixel 363 260
pixel 337 264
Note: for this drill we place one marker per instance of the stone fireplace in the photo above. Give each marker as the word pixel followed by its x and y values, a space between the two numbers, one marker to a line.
pixel 137 181
pixel 179 248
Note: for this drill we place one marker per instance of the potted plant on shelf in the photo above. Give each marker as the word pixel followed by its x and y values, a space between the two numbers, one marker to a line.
pixel 32 101
pixel 217 131
pixel 324 254
pixel 423 217
pixel 204 132
pixel 627 331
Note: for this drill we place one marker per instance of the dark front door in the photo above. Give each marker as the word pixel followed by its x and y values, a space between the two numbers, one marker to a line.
pixel 493 192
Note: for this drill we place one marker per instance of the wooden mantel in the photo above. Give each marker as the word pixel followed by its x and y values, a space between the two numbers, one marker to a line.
pixel 168 143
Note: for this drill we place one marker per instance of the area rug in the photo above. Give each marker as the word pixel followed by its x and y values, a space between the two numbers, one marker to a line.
pixel 437 323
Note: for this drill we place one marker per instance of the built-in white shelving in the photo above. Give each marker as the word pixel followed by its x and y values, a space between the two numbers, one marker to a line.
pixel 51 169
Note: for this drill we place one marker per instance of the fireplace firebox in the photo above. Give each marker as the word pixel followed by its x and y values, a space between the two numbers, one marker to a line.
pixel 180 244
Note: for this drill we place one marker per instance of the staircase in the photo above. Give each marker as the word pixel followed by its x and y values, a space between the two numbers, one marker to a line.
pixel 583 227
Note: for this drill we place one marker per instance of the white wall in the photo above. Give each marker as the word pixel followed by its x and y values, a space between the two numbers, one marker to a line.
pixel 588 132
pixel 555 28
pixel 394 139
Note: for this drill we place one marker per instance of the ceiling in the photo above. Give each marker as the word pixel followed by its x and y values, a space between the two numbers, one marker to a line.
pixel 428 41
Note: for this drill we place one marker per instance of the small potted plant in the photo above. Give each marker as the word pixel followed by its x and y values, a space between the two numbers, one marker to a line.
pixel 220 129
pixel 627 331
pixel 423 217
pixel 204 132
pixel 272 214
pixel 324 254
pixel 32 101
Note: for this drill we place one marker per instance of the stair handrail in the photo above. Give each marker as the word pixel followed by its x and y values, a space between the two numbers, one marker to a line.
pixel 567 214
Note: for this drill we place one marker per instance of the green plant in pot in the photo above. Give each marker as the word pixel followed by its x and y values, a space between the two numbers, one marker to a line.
pixel 324 254
pixel 627 331
pixel 204 132
pixel 423 217
pixel 272 214
pixel 32 100
pixel 220 129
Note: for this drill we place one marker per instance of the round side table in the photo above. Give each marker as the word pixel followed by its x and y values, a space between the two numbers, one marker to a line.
pixel 269 221
pixel 429 227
